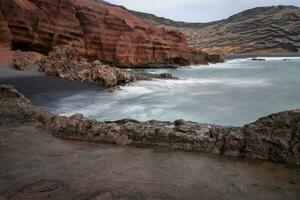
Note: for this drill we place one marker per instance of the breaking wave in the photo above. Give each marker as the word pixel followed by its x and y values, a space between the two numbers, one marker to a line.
pixel 231 93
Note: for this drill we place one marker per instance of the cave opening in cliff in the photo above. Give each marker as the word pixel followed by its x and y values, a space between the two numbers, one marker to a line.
pixel 23 46
pixel 20 46
pixel 179 61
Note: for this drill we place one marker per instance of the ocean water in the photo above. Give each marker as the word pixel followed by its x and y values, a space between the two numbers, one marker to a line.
pixel 236 92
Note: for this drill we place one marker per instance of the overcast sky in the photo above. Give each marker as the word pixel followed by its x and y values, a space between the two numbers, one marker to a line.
pixel 198 10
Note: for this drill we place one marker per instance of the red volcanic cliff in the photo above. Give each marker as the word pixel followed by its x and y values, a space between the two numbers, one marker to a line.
pixel 97 30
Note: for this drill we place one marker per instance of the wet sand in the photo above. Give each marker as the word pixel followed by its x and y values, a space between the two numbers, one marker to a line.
pixel 9 71
pixel 32 82
pixel 35 165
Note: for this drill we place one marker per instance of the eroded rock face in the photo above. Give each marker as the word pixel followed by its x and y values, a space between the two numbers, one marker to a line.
pixel 274 138
pixel 24 60
pixel 97 30
pixel 273 29
pixel 64 63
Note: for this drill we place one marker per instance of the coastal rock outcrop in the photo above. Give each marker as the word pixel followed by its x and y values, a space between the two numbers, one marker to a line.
pixel 64 63
pixel 97 30
pixel 275 137
pixel 24 60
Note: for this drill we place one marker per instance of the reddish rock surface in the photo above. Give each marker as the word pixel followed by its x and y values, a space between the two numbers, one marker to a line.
pixel 5 55
pixel 97 30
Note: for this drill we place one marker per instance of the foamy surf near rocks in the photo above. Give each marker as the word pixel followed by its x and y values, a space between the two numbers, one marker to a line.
pixel 275 137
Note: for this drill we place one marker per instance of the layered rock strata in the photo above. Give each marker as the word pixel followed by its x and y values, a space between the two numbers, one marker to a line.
pixel 97 30
pixel 274 29
pixel 275 137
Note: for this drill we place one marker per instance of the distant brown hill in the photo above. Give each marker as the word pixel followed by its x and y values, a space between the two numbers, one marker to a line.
pixel 263 29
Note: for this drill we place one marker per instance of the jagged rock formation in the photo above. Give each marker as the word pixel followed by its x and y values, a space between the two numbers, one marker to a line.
pixel 24 60
pixel 97 30
pixel 64 63
pixel 276 137
pixel 263 29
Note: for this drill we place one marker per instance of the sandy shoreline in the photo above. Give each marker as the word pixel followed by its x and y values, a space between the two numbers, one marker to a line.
pixel 32 82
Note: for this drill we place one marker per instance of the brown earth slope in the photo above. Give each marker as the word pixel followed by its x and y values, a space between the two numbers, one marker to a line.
pixel 97 30
pixel 263 29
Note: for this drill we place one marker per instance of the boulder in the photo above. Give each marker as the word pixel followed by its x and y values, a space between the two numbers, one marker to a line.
pixel 64 63
pixel 24 60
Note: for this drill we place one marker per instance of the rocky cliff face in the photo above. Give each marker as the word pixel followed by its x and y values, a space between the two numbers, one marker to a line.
pixel 97 30
pixel 264 29
pixel 64 63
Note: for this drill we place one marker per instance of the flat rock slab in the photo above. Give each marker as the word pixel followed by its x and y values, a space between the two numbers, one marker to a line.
pixel 36 165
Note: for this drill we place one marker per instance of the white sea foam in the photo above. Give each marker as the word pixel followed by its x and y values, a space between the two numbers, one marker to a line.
pixel 232 64
pixel 278 58
pixel 90 104
pixel 147 87
pixel 203 93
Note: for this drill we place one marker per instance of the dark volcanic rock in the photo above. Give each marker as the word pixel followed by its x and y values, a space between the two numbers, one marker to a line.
pixel 64 63
pixel 97 30
pixel 23 60
pixel 275 138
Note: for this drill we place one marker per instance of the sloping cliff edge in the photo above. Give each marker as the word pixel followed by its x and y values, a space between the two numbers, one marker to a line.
pixel 97 30
pixel 261 30
pixel 275 137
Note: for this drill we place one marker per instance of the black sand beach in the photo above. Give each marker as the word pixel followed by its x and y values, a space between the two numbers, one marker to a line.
pixel 33 82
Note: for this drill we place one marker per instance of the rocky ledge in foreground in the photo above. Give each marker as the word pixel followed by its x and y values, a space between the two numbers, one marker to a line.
pixel 65 63
pixel 275 138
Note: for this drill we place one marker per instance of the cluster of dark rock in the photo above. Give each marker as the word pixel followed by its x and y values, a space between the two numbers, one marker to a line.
pixel 24 60
pixel 65 63
pixel 275 137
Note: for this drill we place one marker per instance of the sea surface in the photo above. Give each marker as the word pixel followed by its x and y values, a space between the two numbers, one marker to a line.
pixel 236 92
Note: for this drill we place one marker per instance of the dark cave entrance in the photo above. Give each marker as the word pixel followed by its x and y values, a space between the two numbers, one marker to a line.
pixel 179 61
pixel 20 46
pixel 23 46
